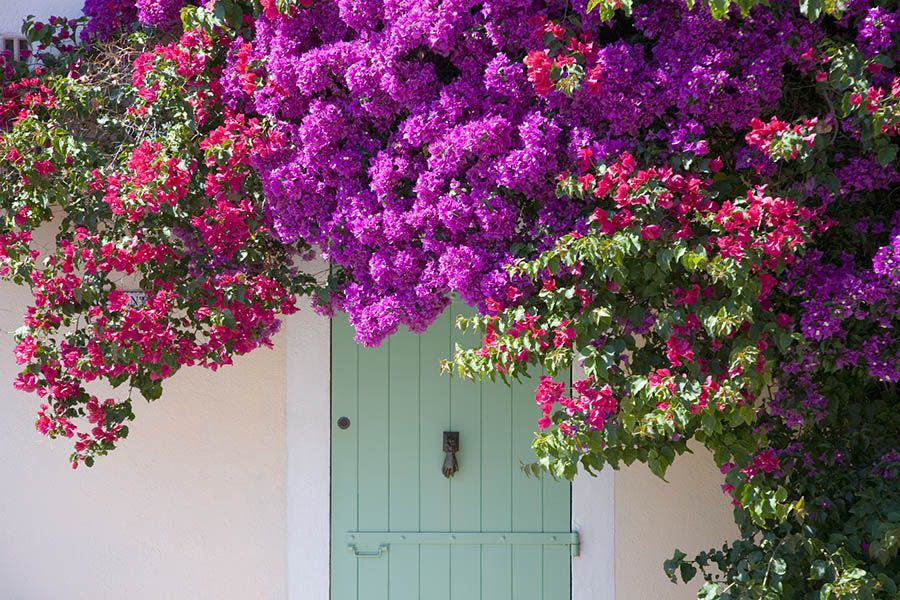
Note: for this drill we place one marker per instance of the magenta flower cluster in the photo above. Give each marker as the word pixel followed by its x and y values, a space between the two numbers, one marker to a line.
pixel 111 16
pixel 418 154
pixel 158 13
pixel 877 29
pixel 107 17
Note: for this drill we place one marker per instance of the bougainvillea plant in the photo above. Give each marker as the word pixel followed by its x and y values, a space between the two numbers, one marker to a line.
pixel 131 212
pixel 695 204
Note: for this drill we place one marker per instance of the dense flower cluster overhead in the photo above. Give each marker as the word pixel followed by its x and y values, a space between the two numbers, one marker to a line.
pixel 418 154
pixel 697 203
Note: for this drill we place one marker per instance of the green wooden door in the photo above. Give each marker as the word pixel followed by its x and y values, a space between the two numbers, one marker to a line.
pixel 399 529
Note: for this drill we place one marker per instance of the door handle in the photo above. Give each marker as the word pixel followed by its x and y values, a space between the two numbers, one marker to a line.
pixel 382 548
pixel 451 447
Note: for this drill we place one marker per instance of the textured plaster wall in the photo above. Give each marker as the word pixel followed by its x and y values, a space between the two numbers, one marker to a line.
pixel 308 455
pixel 593 516
pixel 654 517
pixel 192 506
pixel 13 12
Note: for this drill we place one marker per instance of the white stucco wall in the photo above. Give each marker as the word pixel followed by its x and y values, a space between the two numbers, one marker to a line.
pixel 654 517
pixel 594 518
pixel 308 455
pixel 193 504
pixel 13 12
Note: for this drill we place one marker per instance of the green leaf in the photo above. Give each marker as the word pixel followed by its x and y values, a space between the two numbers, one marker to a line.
pixel 670 565
pixel 708 591
pixel 886 154
pixel 811 8
pixel 687 571
pixel 888 584
pixel 228 319
pixel 719 8
pixel 779 566
pixel 818 570
pixel 151 390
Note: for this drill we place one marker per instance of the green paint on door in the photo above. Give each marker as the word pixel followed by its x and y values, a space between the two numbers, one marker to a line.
pixel 386 477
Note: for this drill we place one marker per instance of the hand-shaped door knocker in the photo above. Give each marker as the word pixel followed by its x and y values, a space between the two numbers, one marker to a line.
pixel 451 447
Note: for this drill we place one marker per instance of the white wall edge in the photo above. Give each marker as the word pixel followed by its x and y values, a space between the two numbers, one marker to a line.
pixel 594 518
pixel 308 430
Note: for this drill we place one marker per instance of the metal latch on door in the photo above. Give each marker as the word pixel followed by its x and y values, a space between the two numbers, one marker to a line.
pixel 372 544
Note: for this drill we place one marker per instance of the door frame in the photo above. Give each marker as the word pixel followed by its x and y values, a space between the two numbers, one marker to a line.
pixel 308 482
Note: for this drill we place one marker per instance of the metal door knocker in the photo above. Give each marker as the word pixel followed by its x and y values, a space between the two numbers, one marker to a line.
pixel 451 447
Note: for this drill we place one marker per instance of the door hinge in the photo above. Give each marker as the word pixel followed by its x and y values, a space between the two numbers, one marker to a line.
pixel 378 541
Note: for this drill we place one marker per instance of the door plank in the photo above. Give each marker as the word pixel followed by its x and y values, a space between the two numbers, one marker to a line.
pixel 404 462
pixel 344 397
pixel 497 456
pixel 465 572
pixel 496 488
pixel 434 418
pixel 557 517
pixel 465 487
pixel 496 572
pixel 527 491
pixel 434 574
pixel 527 580
pixel 373 474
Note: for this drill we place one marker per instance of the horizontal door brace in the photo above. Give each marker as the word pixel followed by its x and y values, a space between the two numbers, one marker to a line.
pixel 368 543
